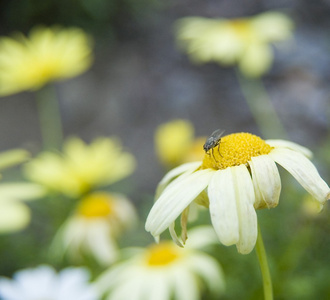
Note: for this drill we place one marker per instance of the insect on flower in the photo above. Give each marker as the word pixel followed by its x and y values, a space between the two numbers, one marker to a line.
pixel 212 141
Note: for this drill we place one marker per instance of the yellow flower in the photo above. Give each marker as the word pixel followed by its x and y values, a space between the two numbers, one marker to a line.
pixel 15 215
pixel 174 139
pixel 81 167
pixel 238 176
pixel 99 219
pixel 163 272
pixel 48 54
pixel 245 41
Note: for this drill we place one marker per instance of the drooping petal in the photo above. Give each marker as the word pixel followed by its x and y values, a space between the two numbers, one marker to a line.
pixel 223 208
pixel 175 198
pixel 266 179
pixel 173 234
pixel 302 169
pixel 248 230
pixel 290 145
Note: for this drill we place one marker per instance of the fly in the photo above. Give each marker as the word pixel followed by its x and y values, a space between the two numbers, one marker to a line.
pixel 213 141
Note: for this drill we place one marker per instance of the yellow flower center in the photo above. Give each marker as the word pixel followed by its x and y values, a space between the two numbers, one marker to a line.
pixel 162 254
pixel 95 205
pixel 242 28
pixel 234 150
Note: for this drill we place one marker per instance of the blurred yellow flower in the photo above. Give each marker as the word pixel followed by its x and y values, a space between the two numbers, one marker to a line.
pixel 97 222
pixel 81 167
pixel 163 271
pixel 238 176
pixel 174 139
pixel 245 41
pixel 15 215
pixel 48 54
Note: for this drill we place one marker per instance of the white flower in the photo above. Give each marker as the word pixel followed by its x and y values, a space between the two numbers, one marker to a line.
pixel 245 41
pixel 239 176
pixel 98 221
pixel 42 283
pixel 163 272
pixel 14 214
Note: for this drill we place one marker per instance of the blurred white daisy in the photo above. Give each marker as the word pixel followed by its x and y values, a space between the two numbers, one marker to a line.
pixel 238 176
pixel 164 271
pixel 43 283
pixel 15 215
pixel 99 220
pixel 245 41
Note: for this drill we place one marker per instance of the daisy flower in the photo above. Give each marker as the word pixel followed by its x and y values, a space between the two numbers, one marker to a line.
pixel 81 167
pixel 174 139
pixel 163 271
pixel 44 283
pixel 245 41
pixel 47 54
pixel 236 177
pixel 100 218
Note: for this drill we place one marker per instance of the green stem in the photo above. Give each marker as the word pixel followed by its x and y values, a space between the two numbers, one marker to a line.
pixel 49 117
pixel 261 107
pixel 262 257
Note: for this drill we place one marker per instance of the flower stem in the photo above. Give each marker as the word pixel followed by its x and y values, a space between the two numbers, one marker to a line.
pixel 261 107
pixel 262 257
pixel 49 117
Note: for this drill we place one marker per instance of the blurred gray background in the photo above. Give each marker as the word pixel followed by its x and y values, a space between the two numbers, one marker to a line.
pixel 139 78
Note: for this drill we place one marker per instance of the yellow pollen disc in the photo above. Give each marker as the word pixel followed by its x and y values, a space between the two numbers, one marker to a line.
pixel 162 254
pixel 234 150
pixel 241 27
pixel 95 205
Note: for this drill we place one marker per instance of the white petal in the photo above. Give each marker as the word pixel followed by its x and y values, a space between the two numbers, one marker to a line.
pixel 175 198
pixel 223 208
pixel 21 191
pixel 159 287
pixel 191 166
pixel 14 216
pixel 201 236
pixel 302 169
pixel 248 230
pixel 100 242
pixel 187 168
pixel 290 145
pixel 266 179
pixel 10 290
pixel 185 285
pixel 210 271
